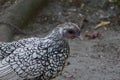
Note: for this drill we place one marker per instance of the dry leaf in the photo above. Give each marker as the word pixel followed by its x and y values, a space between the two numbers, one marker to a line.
pixel 93 35
pixel 82 5
pixel 102 23
pixel 105 28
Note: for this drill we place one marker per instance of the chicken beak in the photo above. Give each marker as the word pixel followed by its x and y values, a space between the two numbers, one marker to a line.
pixel 80 37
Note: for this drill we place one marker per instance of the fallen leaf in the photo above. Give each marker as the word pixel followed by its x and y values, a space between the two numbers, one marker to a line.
pixel 102 24
pixel 105 28
pixel 93 35
pixel 82 5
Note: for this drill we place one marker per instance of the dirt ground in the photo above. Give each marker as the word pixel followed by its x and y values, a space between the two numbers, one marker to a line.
pixel 90 59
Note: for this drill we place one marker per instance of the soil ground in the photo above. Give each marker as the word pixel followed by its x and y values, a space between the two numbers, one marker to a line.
pixel 90 59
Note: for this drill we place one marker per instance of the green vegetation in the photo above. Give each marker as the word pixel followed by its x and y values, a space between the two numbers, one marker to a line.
pixel 115 2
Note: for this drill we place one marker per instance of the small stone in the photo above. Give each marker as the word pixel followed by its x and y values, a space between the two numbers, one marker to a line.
pixel 67 75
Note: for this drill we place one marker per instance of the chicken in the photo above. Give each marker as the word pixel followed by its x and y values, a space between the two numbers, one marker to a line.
pixel 37 57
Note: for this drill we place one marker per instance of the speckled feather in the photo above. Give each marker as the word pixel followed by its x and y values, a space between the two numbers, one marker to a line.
pixel 34 57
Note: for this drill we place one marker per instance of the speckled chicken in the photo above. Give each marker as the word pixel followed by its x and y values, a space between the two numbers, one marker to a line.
pixel 37 57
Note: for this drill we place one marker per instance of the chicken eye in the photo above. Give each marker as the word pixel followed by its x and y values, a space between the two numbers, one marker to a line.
pixel 71 32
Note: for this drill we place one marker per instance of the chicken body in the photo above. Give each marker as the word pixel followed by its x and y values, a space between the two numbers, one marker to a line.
pixel 33 57
pixel 43 58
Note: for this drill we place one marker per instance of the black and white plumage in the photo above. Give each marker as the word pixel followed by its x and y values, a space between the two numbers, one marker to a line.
pixel 37 57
